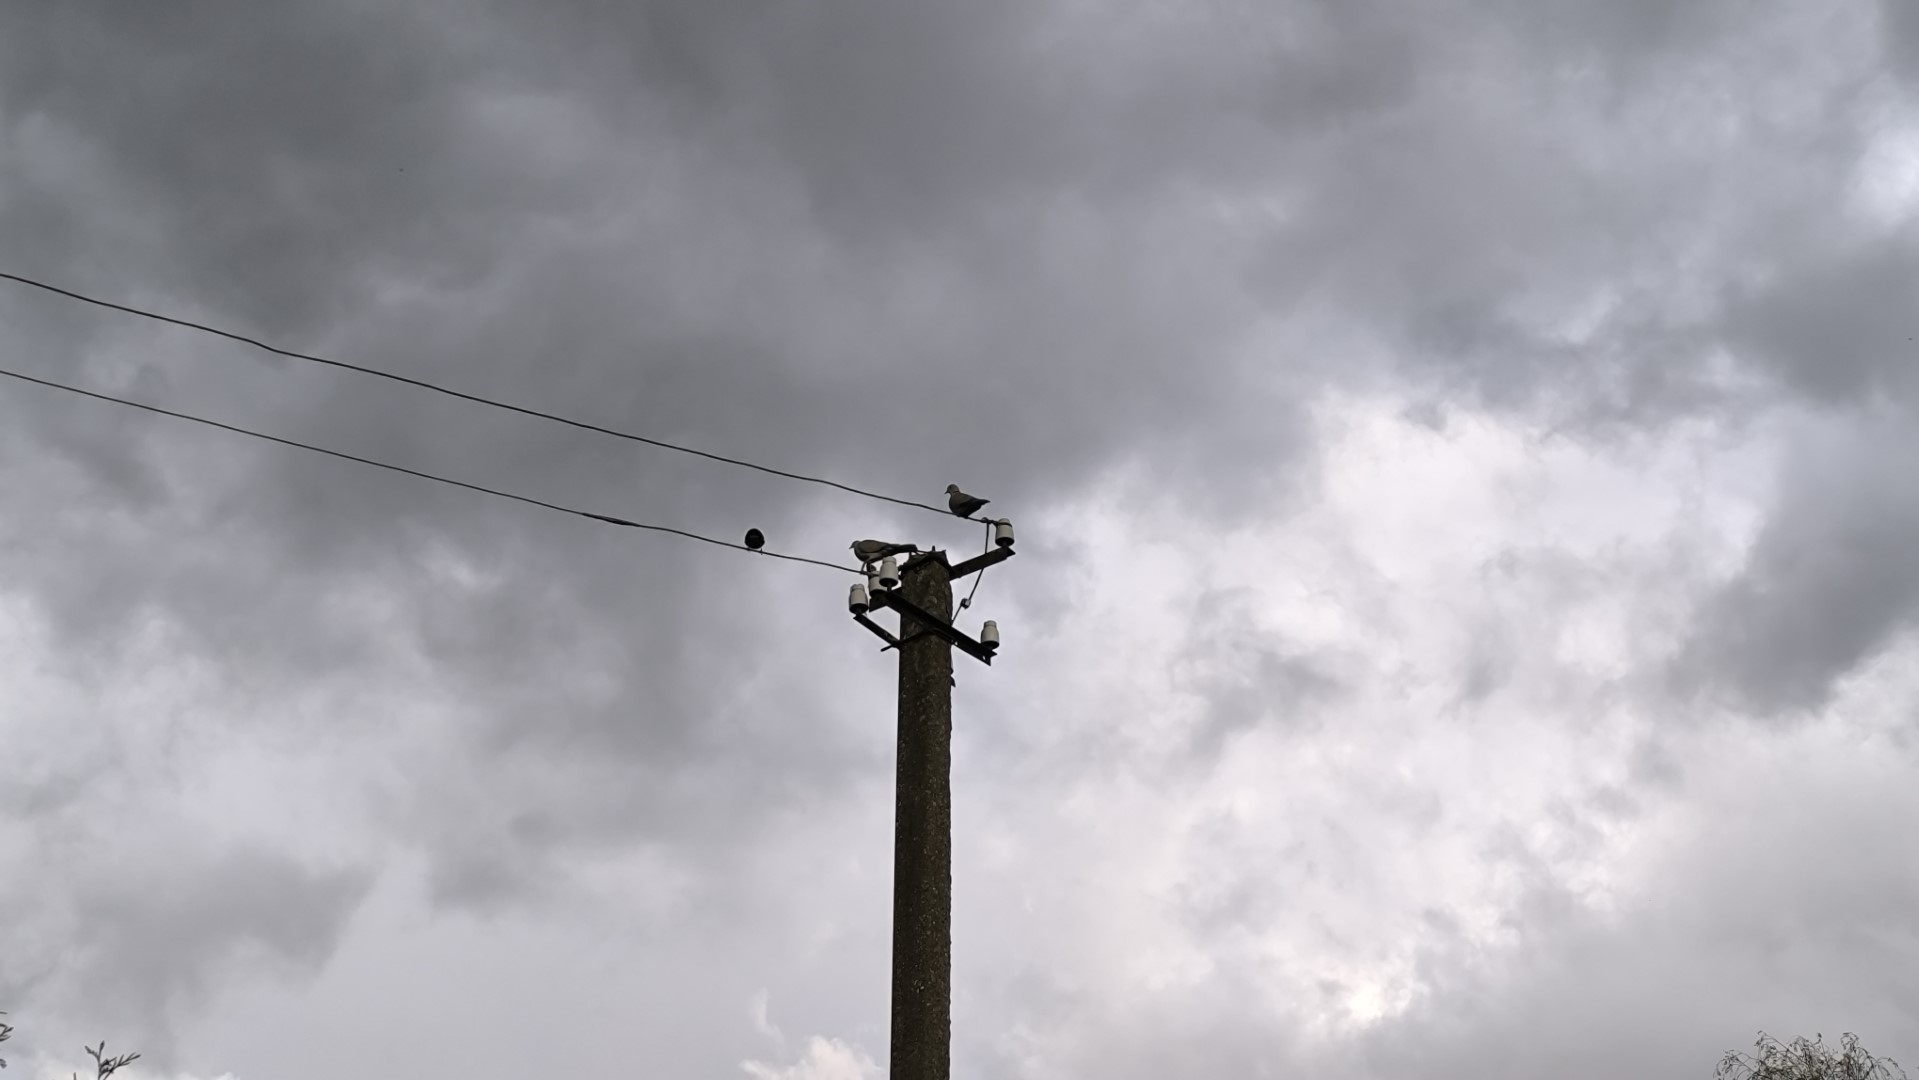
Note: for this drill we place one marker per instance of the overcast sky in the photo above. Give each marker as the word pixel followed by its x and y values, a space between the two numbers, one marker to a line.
pixel 1461 452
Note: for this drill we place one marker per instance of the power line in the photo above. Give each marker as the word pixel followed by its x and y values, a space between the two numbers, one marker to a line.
pixel 523 410
pixel 417 473
pixel 977 578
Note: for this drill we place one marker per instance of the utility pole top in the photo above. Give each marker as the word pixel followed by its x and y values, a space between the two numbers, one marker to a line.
pixel 936 555
pixel 921 591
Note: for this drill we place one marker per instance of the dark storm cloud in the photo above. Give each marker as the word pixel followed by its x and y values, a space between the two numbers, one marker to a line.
pixel 948 158
pixel 1900 24
pixel 1841 328
pixel 1001 244
pixel 1831 578
pixel 1647 236
pixel 900 243
pixel 245 151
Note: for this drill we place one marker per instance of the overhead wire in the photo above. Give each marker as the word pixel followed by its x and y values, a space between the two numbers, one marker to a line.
pixel 979 577
pixel 606 518
pixel 462 395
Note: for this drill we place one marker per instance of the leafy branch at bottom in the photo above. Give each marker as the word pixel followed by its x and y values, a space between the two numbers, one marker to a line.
pixel 1803 1060
pixel 107 1066
pixel 103 1066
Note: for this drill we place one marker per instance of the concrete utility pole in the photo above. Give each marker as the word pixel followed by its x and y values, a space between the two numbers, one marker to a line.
pixel 923 803
pixel 923 831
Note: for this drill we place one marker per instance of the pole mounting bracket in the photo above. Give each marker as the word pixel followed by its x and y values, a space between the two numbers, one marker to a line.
pixel 979 562
pixel 933 626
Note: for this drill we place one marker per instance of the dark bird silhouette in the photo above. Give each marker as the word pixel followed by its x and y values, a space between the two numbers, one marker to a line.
pixel 961 503
pixel 755 539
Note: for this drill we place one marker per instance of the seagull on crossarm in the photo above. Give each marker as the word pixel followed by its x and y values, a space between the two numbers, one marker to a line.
pixel 869 552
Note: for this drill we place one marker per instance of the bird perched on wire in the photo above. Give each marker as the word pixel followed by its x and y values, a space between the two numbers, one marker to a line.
pixel 755 539
pixel 961 503
pixel 869 552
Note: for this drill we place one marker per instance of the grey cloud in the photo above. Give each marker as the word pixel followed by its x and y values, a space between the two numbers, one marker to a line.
pixel 152 935
pixel 905 244
pixel 1632 36
pixel 1900 26
pixel 248 135
pixel 1722 933
pixel 1840 329
pixel 906 122
pixel 603 238
pixel 163 930
pixel 1654 766
pixel 1724 924
pixel 1216 1029
pixel 1488 668
pixel 1748 915
pixel 1478 237
pixel 1247 679
pixel 1829 581
pixel 1640 368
